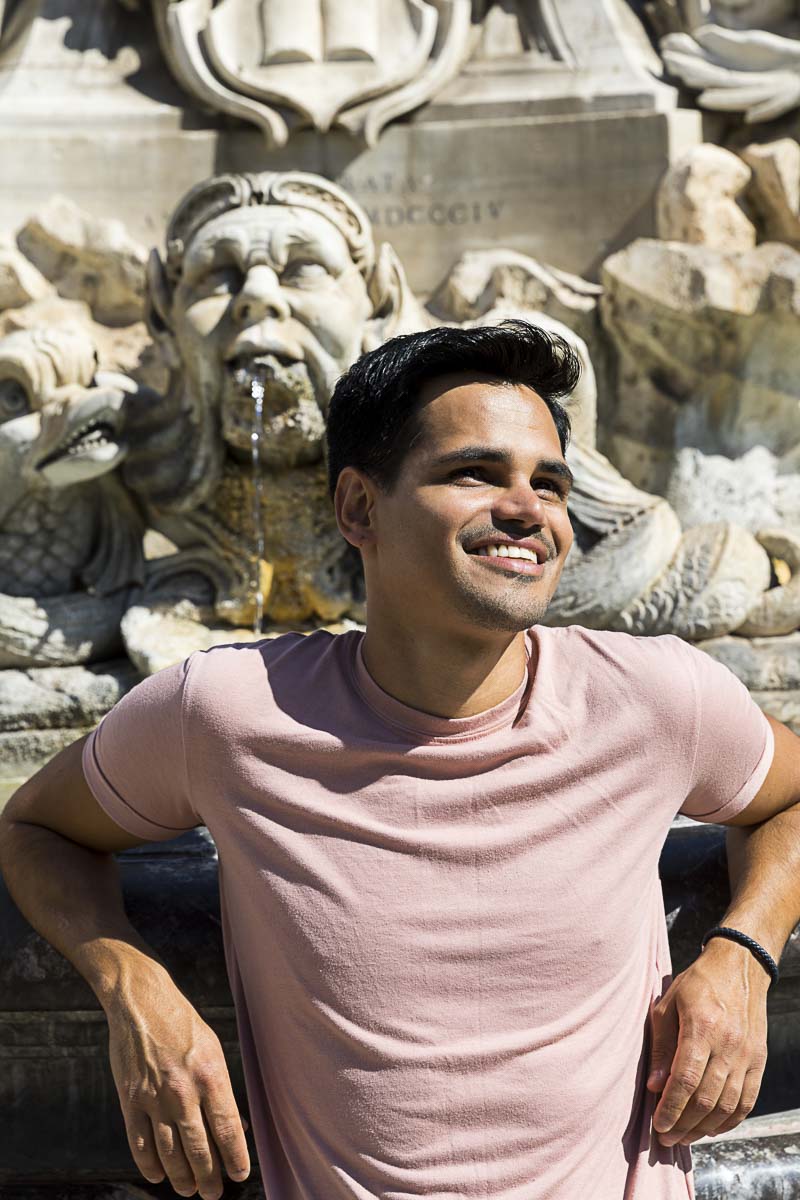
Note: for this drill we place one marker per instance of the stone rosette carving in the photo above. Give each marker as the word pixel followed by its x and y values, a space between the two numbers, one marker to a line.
pixel 279 64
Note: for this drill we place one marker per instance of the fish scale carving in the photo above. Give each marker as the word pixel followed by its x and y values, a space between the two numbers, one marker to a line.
pixel 45 544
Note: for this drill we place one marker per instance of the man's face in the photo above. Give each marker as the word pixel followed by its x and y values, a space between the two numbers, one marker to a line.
pixel 485 476
pixel 269 291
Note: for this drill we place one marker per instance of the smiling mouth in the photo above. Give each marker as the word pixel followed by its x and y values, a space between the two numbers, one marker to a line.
pixel 512 560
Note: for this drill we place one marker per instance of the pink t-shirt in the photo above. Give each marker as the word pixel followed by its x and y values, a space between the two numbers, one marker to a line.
pixel 443 937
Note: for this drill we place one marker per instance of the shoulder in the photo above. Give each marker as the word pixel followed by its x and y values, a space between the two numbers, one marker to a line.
pixel 620 652
pixel 658 671
pixel 232 676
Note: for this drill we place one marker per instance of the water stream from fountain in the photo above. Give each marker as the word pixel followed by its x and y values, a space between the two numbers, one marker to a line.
pixel 257 395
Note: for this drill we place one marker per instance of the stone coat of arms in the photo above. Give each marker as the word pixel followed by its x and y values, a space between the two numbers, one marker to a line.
pixel 318 63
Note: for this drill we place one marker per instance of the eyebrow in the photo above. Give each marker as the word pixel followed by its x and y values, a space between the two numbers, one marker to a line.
pixel 549 466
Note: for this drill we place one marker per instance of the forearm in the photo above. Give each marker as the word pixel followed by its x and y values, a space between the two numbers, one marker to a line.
pixel 764 864
pixel 72 897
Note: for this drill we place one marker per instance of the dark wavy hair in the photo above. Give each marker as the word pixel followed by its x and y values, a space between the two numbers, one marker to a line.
pixel 372 418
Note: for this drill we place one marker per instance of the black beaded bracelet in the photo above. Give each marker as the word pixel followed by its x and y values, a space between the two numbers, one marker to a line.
pixel 755 948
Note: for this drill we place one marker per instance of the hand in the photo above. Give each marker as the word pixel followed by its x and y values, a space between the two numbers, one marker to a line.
pixel 709 1045
pixel 180 1114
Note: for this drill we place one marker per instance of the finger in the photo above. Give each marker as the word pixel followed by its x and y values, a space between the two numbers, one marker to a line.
pixel 143 1146
pixel 726 1105
pixel 201 1156
pixel 686 1073
pixel 225 1126
pixel 702 1106
pixel 173 1159
pixel 664 1026
pixel 747 1100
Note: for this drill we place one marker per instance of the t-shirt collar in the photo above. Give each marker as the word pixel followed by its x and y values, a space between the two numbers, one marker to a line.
pixel 427 727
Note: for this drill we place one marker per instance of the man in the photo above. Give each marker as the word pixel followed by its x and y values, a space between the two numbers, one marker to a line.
pixel 438 842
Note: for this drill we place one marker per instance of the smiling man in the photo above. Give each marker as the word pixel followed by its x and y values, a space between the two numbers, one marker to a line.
pixel 438 842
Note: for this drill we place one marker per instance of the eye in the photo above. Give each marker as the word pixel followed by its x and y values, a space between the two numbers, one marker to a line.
pixel 551 485
pixel 470 472
pixel 303 270
pixel 221 281
pixel 13 399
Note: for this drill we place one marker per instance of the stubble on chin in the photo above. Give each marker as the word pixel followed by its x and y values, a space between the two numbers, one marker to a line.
pixel 520 607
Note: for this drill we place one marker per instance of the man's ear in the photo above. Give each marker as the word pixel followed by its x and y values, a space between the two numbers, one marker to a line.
pixel 394 308
pixel 158 303
pixel 354 501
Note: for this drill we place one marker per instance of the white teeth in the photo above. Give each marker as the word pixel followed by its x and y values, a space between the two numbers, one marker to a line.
pixel 505 551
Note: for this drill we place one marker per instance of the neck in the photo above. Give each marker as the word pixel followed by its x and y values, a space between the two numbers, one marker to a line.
pixel 443 674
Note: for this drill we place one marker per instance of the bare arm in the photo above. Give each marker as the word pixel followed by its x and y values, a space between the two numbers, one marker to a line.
pixel 710 1028
pixel 56 846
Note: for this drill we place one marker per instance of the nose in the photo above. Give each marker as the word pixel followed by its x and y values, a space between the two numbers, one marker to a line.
pixel 520 504
pixel 260 296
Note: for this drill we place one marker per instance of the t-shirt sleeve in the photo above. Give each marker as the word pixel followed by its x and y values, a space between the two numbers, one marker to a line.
pixel 734 743
pixel 135 761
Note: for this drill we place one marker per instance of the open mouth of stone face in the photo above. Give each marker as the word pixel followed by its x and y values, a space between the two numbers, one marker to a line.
pixel 285 417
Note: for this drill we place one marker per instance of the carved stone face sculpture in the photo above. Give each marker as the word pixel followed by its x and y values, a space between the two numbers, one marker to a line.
pixel 270 277
pixel 270 292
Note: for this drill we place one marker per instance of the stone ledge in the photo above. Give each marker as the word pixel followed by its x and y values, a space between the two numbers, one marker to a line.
pixel 764 664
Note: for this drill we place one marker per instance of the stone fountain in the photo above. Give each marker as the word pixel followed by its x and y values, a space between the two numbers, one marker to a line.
pixel 165 374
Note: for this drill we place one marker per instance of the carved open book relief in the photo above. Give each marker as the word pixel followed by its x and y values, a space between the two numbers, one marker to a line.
pixel 320 31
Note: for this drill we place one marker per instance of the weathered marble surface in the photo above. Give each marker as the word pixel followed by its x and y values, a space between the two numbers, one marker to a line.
pixel 697 200
pixel 705 343
pixel 44 709
pixel 774 191
pixel 763 664
pixel 742 57
pixel 87 95
pixel 87 258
